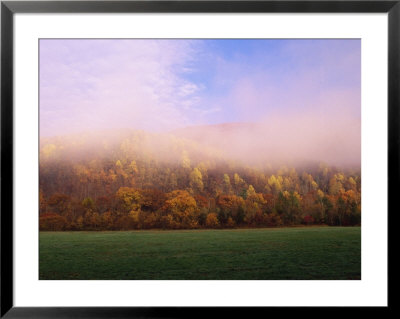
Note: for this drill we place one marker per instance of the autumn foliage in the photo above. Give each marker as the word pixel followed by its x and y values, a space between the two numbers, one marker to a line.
pixel 124 185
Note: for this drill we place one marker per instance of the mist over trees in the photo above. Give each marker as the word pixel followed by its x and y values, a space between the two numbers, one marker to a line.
pixel 199 133
pixel 189 179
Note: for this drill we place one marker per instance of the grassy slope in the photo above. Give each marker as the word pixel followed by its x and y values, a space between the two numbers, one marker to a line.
pixel 283 253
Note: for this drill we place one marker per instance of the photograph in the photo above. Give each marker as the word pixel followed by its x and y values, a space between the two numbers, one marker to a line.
pixel 199 159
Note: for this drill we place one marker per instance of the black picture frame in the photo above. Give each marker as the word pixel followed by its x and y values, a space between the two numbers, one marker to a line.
pixel 9 8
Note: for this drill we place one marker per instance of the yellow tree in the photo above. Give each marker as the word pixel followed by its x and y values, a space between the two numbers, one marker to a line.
pixel 183 208
pixel 212 220
pixel 250 191
pixel 129 199
pixel 185 162
pixel 227 187
pixel 132 168
pixel 239 183
pixel 196 180
pixel 335 184
pixel 275 183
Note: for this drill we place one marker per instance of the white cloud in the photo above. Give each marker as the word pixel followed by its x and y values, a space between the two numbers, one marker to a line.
pixel 96 84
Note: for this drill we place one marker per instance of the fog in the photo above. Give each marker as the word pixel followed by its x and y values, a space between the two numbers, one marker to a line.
pixel 278 102
pixel 308 137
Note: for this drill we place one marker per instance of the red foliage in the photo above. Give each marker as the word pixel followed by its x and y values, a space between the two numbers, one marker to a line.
pixel 201 201
pixel 152 199
pixel 308 220
pixel 51 221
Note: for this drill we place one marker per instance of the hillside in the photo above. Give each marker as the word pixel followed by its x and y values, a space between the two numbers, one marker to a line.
pixel 189 178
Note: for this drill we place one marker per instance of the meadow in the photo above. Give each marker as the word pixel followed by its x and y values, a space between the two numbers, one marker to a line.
pixel 295 253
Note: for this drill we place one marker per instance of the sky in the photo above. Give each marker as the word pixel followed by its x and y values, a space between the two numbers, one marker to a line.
pixel 160 85
pixel 302 97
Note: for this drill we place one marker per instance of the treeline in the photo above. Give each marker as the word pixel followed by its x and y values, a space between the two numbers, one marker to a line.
pixel 131 188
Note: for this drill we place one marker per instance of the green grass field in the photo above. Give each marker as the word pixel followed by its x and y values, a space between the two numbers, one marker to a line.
pixel 268 254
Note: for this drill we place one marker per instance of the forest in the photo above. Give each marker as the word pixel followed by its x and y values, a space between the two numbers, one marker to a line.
pixel 131 179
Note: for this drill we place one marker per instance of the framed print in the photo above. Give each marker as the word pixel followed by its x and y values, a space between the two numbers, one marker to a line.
pixel 164 155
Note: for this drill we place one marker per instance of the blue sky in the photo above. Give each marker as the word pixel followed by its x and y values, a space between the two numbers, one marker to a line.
pixel 294 72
